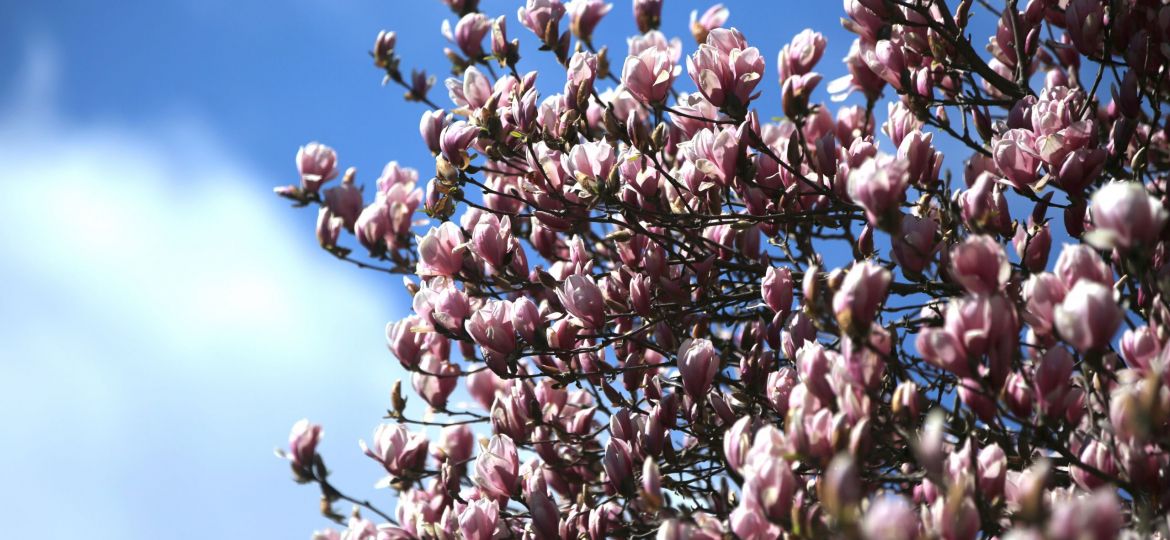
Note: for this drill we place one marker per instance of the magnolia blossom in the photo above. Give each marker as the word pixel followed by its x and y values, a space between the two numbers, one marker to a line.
pixel 398 450
pixel 497 467
pixel 802 54
pixel 879 186
pixel 543 18
pixel 697 363
pixel 1126 216
pixel 713 18
pixel 302 444
pixel 1088 317
pixel 584 16
pixel 317 164
pixel 862 292
pixel 608 270
pixel 649 75
pixel 725 67
pixel 582 298
pixel 440 252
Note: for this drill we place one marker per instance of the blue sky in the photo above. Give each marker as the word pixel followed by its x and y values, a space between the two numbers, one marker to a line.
pixel 165 318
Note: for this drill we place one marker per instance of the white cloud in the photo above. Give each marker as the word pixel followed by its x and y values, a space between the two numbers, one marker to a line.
pixel 164 320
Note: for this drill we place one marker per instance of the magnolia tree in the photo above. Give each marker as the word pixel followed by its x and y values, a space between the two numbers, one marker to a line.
pixel 676 318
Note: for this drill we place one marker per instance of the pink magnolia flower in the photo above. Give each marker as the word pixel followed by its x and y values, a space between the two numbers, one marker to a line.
pixel 1096 455
pixel 1085 22
pixel 975 326
pixel 714 153
pixel 442 305
pixel 1088 317
pixel 581 73
pixel 1033 245
pixel 1017 158
pixel 618 462
pixel 726 68
pixel 1126 217
pixel 860 77
pixel 890 517
pixel 1097 515
pixel 1078 262
pixel 879 186
pixel 1042 293
pixel 491 328
pixel 956 520
pixel 750 523
pixel 302 444
pixel 1080 168
pixel 404 341
pixel 980 265
pixel 698 362
pixel 582 298
pixel 649 75
pixel 455 443
pixel 1140 347
pixel 992 466
pixel 492 240
pixel 543 17
pixel 473 92
pixel 456 139
pixel 435 389
pixel 769 484
pixel 497 468
pixel 914 244
pixel 886 59
pixel 468 34
pixel 440 252
pixel 383 49
pixel 796 91
pixel 652 481
pixel 647 14
pixel 431 127
pixel 584 15
pixel 776 289
pixel 398 450
pixel 984 208
pixel 922 161
pixel 862 292
pixel 478 521
pixel 802 54
pixel 383 223
pixel 526 318
pixel 317 164
pixel 329 227
pixel 590 163
pixel 713 18
pixel 345 200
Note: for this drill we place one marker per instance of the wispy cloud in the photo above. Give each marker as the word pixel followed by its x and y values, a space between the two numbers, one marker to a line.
pixel 164 321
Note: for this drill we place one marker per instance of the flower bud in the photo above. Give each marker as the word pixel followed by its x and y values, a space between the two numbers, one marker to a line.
pixel 861 294
pixel 302 445
pixel 776 289
pixel 698 362
pixel 647 14
pixel 619 465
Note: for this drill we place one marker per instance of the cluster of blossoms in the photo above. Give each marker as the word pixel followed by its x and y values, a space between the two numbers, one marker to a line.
pixel 673 318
